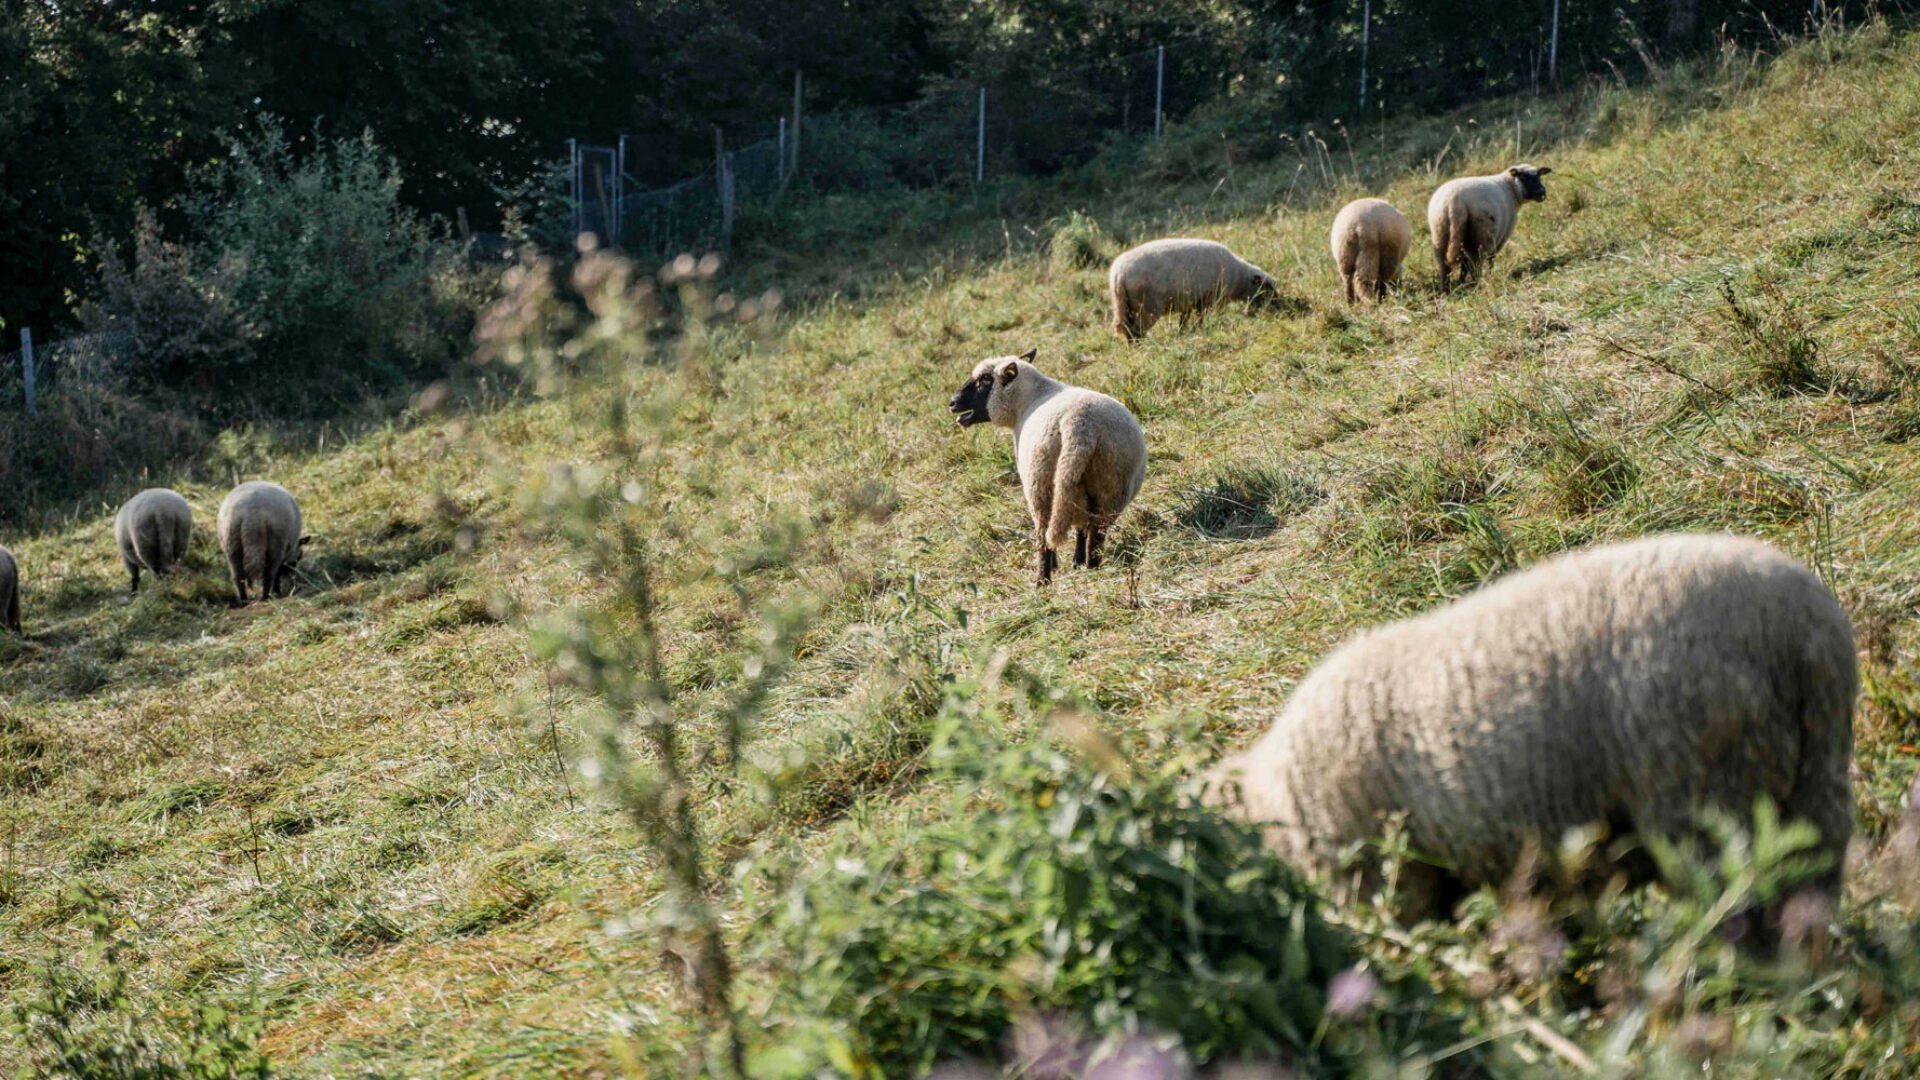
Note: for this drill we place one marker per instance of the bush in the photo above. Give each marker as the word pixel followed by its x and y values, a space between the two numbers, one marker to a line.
pixel 305 284
pixel 1067 892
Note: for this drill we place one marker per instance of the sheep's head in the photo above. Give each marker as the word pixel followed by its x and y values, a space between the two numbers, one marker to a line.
pixel 1263 293
pixel 1531 189
pixel 989 394
pixel 299 549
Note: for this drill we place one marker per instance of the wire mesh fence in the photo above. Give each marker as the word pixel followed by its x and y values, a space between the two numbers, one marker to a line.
pixel 70 360
pixel 952 135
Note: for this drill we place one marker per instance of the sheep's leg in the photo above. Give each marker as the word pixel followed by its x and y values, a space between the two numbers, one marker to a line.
pixel 1079 547
pixel 1349 276
pixel 238 566
pixel 134 570
pixel 1044 561
pixel 13 609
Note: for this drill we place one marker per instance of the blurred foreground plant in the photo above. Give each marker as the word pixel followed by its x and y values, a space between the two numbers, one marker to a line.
pixel 638 371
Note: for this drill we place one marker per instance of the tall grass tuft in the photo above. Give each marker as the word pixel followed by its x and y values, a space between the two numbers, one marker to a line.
pixel 1775 341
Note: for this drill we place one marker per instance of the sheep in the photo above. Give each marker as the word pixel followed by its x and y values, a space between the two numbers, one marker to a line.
pixel 259 529
pixel 1472 217
pixel 1370 240
pixel 1179 276
pixel 9 591
pixel 1627 685
pixel 152 530
pixel 1081 454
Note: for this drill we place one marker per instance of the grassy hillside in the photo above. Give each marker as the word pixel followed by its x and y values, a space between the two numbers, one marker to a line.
pixel 352 802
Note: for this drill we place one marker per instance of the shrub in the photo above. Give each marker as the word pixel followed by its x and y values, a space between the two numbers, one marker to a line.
pixel 1074 888
pixel 304 284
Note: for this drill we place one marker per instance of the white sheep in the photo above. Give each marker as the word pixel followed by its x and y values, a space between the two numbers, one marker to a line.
pixel 1628 685
pixel 1180 276
pixel 9 591
pixel 1081 454
pixel 152 530
pixel 1370 240
pixel 259 528
pixel 1471 218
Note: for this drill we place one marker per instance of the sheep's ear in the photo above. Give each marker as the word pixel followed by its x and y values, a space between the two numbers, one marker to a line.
pixel 1030 354
pixel 1513 170
pixel 1545 169
pixel 1008 373
pixel 303 540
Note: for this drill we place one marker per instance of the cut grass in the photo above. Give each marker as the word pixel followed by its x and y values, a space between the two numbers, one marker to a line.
pixel 309 797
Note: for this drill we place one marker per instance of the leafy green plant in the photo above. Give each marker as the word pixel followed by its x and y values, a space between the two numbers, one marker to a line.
pixel 1078 885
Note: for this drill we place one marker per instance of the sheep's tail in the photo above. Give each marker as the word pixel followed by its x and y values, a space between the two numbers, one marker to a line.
pixel 1455 242
pixel 1124 322
pixel 253 548
pixel 1366 271
pixel 1077 445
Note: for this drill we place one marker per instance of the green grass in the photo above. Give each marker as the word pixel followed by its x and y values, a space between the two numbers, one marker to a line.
pixel 352 803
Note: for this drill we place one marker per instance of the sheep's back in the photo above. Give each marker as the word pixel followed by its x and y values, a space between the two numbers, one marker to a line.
pixel 1373 222
pixel 1627 684
pixel 1179 266
pixel 257 503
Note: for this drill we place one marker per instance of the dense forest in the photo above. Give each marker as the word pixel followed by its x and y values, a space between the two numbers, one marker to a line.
pixel 108 107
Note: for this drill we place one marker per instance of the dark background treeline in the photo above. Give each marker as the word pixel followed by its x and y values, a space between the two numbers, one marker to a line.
pixel 107 106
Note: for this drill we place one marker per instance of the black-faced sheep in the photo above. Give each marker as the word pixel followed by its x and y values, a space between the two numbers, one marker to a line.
pixel 1471 218
pixel 1081 454
pixel 259 529
pixel 152 530
pixel 9 591
pixel 1628 685
pixel 1370 240
pixel 1180 276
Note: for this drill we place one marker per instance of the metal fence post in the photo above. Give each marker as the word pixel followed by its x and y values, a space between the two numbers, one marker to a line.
pixel 26 366
pixel 619 192
pixel 1366 32
pixel 1553 49
pixel 723 175
pixel 980 142
pixel 573 184
pixel 1159 88
pixel 794 170
pixel 781 165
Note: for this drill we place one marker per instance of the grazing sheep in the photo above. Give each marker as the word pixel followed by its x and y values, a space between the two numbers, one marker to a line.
pixel 1627 685
pixel 1166 277
pixel 9 591
pixel 153 529
pixel 1370 241
pixel 1472 217
pixel 1081 454
pixel 259 530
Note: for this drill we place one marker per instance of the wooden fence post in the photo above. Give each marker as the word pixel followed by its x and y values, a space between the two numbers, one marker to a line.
pixel 1159 88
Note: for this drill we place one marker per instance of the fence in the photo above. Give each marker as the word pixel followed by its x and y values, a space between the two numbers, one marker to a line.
pixel 951 136
pixel 27 373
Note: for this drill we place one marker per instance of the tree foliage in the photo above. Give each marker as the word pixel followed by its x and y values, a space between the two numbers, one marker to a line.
pixel 108 106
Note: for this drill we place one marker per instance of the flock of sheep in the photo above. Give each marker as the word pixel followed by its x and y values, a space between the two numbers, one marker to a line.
pixel 258 527
pixel 1626 686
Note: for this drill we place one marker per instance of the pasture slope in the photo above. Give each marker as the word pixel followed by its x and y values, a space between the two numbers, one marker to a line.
pixel 348 802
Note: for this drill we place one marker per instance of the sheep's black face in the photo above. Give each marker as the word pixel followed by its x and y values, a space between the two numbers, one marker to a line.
pixel 970 403
pixel 1529 177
